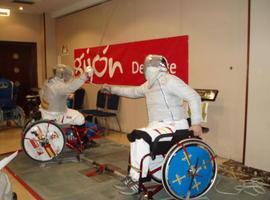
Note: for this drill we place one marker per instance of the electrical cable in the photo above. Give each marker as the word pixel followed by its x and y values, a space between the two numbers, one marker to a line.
pixel 204 198
pixel 165 99
pixel 253 187
pixel 107 23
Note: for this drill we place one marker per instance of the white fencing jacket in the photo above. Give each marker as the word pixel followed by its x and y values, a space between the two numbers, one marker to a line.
pixel 165 99
pixel 55 92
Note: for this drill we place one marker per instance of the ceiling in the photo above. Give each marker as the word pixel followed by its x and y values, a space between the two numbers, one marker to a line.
pixel 56 8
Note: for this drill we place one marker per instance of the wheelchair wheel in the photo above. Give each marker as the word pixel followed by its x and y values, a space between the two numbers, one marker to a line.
pixel 189 169
pixel 43 140
pixel 20 116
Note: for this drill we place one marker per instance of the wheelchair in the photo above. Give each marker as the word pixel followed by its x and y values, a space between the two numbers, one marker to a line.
pixel 187 171
pixel 8 108
pixel 45 140
pixel 187 166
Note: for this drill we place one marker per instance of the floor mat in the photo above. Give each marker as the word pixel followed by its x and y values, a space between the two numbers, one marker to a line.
pixel 66 181
pixel 65 178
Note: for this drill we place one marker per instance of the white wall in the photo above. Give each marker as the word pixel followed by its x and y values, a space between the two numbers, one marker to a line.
pixel 51 52
pixel 25 28
pixel 258 135
pixel 217 40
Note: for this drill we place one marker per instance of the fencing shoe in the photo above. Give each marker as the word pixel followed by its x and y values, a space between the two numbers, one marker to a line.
pixel 132 189
pixel 123 184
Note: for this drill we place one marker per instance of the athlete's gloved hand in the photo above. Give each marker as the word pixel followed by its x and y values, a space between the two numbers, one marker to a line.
pixel 197 129
pixel 89 71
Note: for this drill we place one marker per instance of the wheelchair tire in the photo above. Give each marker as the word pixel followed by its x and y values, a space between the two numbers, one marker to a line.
pixel 189 169
pixel 43 140
pixel 20 116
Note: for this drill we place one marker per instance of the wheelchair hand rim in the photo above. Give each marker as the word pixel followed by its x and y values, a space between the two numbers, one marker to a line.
pixel 176 148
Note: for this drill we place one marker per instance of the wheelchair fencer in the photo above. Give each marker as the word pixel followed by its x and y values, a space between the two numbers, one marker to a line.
pixel 183 164
pixel 165 95
pixel 44 139
pixel 8 108
pixel 187 167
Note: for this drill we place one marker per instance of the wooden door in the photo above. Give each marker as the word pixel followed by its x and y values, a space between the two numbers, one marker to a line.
pixel 18 62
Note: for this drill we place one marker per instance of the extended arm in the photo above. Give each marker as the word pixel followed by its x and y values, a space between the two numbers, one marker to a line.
pixel 131 92
pixel 76 83
pixel 73 85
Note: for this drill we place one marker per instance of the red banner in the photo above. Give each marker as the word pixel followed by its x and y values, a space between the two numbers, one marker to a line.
pixel 122 64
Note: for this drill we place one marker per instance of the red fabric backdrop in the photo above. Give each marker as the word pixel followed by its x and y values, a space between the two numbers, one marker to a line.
pixel 122 64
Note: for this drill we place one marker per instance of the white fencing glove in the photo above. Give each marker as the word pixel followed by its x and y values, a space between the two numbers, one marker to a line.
pixel 89 71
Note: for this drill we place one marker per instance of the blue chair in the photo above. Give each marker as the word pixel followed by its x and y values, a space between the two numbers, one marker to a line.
pixel 8 108
pixel 78 99
pixel 7 96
